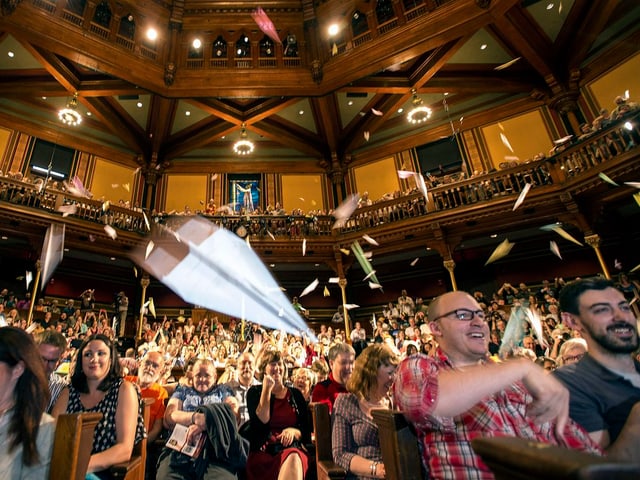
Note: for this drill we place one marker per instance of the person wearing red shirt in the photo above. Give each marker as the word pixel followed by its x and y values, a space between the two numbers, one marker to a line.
pixel 341 359
pixel 458 395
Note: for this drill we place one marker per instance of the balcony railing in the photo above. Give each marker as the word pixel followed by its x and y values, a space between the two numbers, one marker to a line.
pixel 570 162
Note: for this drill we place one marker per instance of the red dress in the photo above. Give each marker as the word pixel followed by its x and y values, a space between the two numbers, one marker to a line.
pixel 265 466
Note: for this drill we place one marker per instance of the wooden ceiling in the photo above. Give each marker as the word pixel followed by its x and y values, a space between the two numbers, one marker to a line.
pixel 135 116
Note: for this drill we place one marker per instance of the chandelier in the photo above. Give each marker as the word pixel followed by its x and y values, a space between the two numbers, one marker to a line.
pixel 69 115
pixel 244 146
pixel 419 113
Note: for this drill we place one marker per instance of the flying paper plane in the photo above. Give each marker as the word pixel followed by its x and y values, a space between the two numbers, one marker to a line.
pixel 501 251
pixel 345 210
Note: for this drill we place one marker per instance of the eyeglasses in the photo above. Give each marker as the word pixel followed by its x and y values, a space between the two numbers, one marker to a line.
pixel 463 314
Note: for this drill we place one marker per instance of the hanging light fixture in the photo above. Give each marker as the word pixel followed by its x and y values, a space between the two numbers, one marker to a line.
pixel 69 115
pixel 244 146
pixel 419 113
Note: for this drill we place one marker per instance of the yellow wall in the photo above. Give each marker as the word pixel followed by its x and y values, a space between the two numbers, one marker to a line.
pixel 377 178
pixel 108 180
pixel 185 190
pixel 4 141
pixel 526 134
pixel 302 191
pixel 614 83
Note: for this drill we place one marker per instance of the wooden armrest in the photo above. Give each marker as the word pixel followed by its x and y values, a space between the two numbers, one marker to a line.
pixel 517 458
pixel 329 469
pixel 120 470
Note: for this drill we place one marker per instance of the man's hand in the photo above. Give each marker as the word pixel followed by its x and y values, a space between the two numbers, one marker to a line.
pixel 550 398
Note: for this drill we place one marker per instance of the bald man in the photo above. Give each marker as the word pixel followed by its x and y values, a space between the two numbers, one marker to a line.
pixel 458 395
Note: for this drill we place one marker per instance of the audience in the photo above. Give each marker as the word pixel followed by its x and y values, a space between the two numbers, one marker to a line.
pixel 605 383
pixel 341 357
pixel 355 440
pixel 52 346
pixel 26 431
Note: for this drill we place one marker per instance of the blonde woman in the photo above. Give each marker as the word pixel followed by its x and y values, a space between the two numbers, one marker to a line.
pixel 355 440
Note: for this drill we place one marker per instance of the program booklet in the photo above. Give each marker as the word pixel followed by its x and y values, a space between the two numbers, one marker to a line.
pixel 178 441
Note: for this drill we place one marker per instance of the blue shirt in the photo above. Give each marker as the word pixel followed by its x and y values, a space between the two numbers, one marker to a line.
pixel 192 399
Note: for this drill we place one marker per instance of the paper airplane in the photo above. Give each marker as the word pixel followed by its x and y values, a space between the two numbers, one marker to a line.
pixel 562 140
pixel 415 260
pixel 554 227
pixel 75 187
pixel 370 240
pixel 617 265
pixel 522 196
pixel 304 247
pixel 345 210
pixel 213 268
pixel 345 251
pixel 377 113
pixel 126 186
pixel 266 25
pixel 111 232
pixel 334 280
pixel 536 325
pixel 501 251
pixel 52 252
pixel 214 177
pixel 373 286
pixel 67 210
pixel 633 184
pixel 146 220
pixel 366 135
pixel 310 288
pixel 553 246
pixel 369 275
pixel 350 306
pixel 271 235
pixel 137 170
pixel 28 278
pixel 368 255
pixel 507 64
pixel 152 307
pixel 607 179
pixel 149 249
pixel 362 260
pixel 105 205
pixel 326 292
pixel 422 186
pixel 505 142
pixel 404 174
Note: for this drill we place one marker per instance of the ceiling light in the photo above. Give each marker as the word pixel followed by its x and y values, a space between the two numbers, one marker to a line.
pixel 494 235
pixel 69 115
pixel 44 98
pixel 197 43
pixel 419 113
pixel 483 46
pixel 139 104
pixel 5 238
pixel 301 112
pixel 350 102
pixel 11 54
pixel 333 29
pixel 88 114
pixel 244 146
pixel 113 259
pixel 550 6
pixel 152 34
pixel 187 113
pixel 400 110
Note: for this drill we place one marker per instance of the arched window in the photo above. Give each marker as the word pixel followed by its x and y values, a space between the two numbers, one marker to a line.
pixel 384 11
pixel 267 48
pixel 290 46
pixel 359 23
pixel 219 48
pixel 127 27
pixel 76 6
pixel 243 47
pixel 102 16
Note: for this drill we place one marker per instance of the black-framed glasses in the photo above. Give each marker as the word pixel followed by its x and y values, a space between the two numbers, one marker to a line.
pixel 463 314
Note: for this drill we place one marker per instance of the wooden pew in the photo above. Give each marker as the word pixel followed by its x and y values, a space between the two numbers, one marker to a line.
pixel 399 445
pixel 511 458
pixel 327 468
pixel 134 469
pixel 72 445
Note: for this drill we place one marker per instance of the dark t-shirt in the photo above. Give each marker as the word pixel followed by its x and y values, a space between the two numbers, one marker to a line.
pixel 600 399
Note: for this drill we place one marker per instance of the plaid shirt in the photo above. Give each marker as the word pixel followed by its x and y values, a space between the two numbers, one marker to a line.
pixel 446 441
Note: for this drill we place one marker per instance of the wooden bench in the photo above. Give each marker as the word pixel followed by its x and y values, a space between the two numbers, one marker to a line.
pixel 399 446
pixel 72 445
pixel 511 458
pixel 134 469
pixel 326 467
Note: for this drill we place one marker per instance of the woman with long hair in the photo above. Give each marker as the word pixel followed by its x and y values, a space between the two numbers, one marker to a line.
pixel 354 434
pixel 97 386
pixel 278 423
pixel 26 431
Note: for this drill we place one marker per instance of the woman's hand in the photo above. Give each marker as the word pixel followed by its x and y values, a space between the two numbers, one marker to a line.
pixel 288 435
pixel 268 383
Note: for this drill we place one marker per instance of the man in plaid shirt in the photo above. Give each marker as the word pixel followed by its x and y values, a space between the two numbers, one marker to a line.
pixel 457 395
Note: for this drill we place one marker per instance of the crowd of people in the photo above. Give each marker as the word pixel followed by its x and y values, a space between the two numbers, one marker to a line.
pixel 246 388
